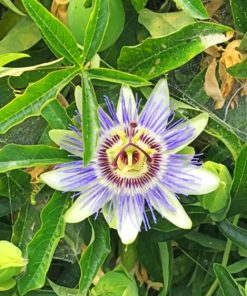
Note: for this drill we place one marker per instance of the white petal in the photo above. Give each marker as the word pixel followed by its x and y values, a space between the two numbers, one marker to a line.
pixel 178 216
pixel 205 181
pixel 86 205
pixel 67 140
pixel 72 177
pixel 129 214
pixel 53 179
pixel 197 123
pixel 110 216
pixel 156 111
pixel 76 213
pixel 126 108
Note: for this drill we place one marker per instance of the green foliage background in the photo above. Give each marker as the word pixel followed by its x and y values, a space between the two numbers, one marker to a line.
pixel 41 63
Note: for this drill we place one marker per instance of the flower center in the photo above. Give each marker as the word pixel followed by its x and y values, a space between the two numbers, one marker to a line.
pixel 129 158
pixel 131 154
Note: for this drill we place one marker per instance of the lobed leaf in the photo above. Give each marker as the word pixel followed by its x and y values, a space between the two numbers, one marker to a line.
pixel 91 125
pixel 116 76
pixel 96 28
pixel 58 37
pixel 20 156
pixel 18 71
pixel 10 57
pixel 156 56
pixel 34 98
pixel 55 115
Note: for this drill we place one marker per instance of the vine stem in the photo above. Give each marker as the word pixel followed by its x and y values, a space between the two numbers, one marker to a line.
pixel 225 258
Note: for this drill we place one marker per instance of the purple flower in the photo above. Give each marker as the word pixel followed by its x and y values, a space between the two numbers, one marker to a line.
pixel 140 162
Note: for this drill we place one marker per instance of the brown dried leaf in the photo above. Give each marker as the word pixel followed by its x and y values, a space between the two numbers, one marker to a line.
pixel 214 51
pixel 141 274
pixel 142 277
pixel 230 57
pixel 59 9
pixel 36 172
pixel 213 6
pixel 211 85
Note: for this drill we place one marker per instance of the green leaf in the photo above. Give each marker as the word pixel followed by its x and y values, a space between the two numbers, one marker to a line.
pixel 149 257
pixel 10 57
pixel 15 184
pixel 58 37
pixel 156 56
pixel 25 226
pixel 238 266
pixel 167 266
pixel 116 283
pixel 165 231
pixel 239 185
pixel 16 187
pixel 239 70
pixel 95 254
pixel 139 4
pixel 243 44
pixel 90 119
pixel 206 241
pixel 9 4
pixel 236 234
pixel 21 37
pixel 225 134
pixel 96 28
pixel 160 24
pixel 42 247
pixel 55 115
pixel 195 90
pixel 33 99
pixel 227 284
pixel 239 12
pixel 116 76
pixel 18 71
pixel 194 8
pixel 20 156
pixel 63 291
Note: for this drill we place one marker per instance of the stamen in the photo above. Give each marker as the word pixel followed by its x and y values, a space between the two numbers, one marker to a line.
pixel 114 163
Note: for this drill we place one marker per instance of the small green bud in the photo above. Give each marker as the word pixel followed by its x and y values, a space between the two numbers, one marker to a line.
pixel 11 264
pixel 218 201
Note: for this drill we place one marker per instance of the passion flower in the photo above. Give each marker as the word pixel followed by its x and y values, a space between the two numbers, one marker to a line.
pixel 137 165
